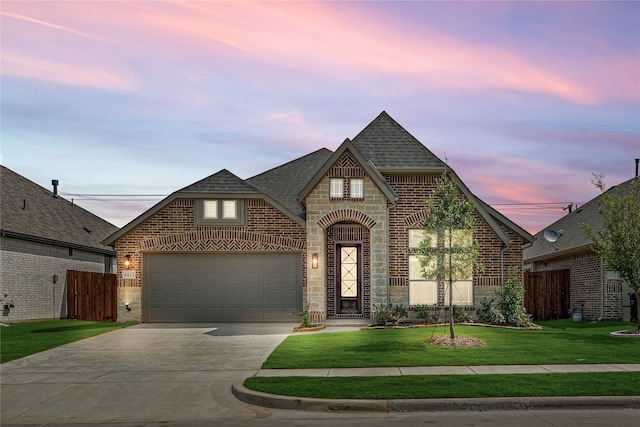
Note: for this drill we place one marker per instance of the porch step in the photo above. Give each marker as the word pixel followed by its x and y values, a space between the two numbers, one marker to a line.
pixel 347 322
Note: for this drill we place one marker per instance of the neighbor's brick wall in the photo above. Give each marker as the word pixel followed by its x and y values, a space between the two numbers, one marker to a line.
pixel 174 229
pixel 599 296
pixel 26 275
pixel 410 212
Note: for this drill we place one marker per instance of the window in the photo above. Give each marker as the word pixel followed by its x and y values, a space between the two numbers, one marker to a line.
pixel 210 209
pixel 424 290
pixel 220 212
pixel 229 209
pixel 356 188
pixel 337 188
pixel 421 290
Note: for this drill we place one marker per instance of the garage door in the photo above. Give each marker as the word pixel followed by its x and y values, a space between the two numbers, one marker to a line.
pixel 222 287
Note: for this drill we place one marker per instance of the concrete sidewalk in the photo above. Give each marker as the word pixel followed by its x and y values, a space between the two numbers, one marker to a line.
pixel 458 404
pixel 447 370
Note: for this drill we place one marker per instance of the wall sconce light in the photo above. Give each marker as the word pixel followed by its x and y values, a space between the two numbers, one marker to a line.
pixel 127 261
pixel 314 261
pixel 127 307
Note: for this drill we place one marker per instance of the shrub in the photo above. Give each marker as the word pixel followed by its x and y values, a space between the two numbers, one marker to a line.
pixel 423 312
pixel 387 313
pixel 303 315
pixel 460 315
pixel 489 313
pixel 511 302
pixel 505 308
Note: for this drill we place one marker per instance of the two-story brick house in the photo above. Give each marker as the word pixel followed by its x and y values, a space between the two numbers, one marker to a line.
pixel 337 230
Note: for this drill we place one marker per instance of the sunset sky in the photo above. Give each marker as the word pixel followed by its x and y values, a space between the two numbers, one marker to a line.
pixel 125 102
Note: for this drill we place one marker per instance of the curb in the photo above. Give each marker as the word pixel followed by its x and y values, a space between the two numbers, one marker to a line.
pixel 431 405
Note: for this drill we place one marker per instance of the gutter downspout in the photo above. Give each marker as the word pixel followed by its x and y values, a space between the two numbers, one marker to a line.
pixel 602 289
pixel 502 251
pixel 388 259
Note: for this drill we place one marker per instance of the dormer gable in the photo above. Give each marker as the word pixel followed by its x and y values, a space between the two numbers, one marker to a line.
pixel 348 162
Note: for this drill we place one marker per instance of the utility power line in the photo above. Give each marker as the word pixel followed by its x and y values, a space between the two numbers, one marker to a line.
pixel 138 198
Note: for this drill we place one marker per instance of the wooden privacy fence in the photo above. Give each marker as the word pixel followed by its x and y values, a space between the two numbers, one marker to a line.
pixel 547 294
pixel 92 296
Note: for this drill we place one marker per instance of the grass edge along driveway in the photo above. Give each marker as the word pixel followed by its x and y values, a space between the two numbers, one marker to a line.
pixel 23 339
pixel 558 342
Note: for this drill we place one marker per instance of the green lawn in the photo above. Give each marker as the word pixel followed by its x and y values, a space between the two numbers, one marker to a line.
pixel 450 386
pixel 22 339
pixel 558 342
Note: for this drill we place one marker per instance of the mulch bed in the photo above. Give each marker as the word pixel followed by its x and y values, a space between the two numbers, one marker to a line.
pixel 458 341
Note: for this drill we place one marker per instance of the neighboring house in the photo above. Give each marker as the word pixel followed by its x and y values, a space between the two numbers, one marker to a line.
pixel 42 236
pixel 336 230
pixel 595 290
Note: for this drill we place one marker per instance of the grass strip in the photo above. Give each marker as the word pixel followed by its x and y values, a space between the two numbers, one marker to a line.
pixel 451 386
pixel 23 339
pixel 558 342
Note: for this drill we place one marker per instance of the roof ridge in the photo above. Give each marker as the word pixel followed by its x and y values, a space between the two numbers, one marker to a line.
pixel 222 173
pixel 289 163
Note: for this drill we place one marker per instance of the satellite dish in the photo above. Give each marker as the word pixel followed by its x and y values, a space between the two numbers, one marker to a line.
pixel 553 236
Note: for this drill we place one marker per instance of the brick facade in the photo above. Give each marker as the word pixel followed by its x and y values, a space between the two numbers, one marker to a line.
pixel 27 271
pixel 381 229
pixel 174 229
pixel 409 213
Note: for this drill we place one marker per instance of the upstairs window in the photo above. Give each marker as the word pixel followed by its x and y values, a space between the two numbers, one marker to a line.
pixel 229 209
pixel 220 212
pixel 336 190
pixel 210 209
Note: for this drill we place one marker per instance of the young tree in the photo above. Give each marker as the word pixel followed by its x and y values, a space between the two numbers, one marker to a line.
pixel 448 251
pixel 618 241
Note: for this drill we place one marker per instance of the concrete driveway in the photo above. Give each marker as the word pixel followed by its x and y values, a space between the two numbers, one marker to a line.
pixel 170 375
pixel 148 372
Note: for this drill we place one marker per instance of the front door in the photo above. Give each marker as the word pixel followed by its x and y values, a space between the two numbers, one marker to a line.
pixel 348 280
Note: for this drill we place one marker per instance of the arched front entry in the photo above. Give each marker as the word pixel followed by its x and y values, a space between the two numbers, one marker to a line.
pixel 348 286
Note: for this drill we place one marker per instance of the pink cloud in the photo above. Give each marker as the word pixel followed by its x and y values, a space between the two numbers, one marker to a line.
pixel 341 41
pixel 24 66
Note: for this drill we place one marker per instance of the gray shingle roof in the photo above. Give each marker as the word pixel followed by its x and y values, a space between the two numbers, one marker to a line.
pixel 383 147
pixel 220 182
pixel 283 183
pixel 390 147
pixel 31 212
pixel 573 238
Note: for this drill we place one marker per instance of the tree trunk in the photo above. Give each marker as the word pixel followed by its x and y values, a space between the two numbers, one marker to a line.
pixel 452 334
pixel 451 331
pixel 638 308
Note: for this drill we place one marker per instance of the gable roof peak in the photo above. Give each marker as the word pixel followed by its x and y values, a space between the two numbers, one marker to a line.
pixel 222 181
pixel 366 164
pixel 391 147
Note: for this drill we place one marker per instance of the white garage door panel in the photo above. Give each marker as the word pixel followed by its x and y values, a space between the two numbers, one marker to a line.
pixel 222 287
